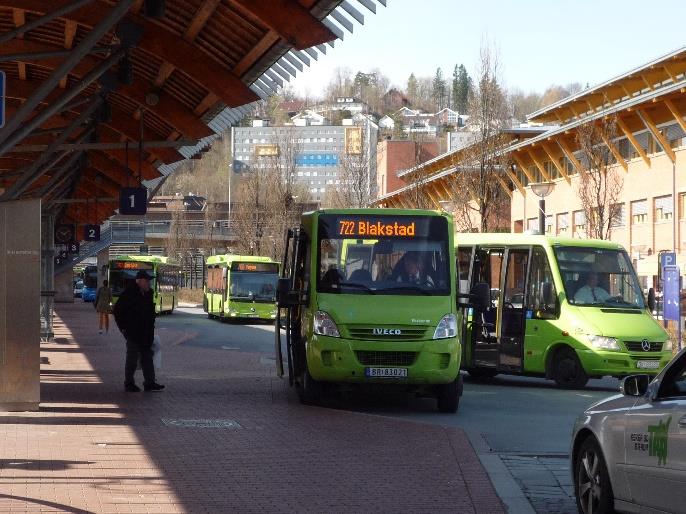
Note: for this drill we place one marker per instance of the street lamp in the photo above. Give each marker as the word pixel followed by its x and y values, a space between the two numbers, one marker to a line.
pixel 542 189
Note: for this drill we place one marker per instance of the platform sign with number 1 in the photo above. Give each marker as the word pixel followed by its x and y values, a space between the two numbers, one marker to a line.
pixel 133 201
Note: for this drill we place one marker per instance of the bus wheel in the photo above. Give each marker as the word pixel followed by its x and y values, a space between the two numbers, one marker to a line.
pixel 482 372
pixel 309 390
pixel 449 396
pixel 567 371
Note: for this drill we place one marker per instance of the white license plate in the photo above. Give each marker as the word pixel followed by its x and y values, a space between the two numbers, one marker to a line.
pixel 385 372
pixel 647 364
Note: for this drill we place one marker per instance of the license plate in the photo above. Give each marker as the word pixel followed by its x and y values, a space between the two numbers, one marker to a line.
pixel 385 372
pixel 253 315
pixel 647 364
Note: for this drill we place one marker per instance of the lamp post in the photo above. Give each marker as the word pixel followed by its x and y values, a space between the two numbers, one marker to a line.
pixel 542 189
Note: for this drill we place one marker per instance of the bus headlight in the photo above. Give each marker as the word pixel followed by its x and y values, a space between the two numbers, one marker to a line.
pixel 667 346
pixel 447 327
pixel 324 325
pixel 603 343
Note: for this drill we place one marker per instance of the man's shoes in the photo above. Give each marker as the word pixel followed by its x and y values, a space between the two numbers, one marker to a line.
pixel 132 388
pixel 153 387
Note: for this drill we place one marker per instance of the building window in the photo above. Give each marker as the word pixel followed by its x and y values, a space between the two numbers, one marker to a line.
pixel 664 208
pixel 639 211
pixel 617 215
pixel 549 224
pixel 579 223
pixel 562 223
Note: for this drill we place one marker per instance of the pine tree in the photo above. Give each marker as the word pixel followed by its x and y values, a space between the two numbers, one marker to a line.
pixel 438 90
pixel 455 88
pixel 462 85
pixel 412 89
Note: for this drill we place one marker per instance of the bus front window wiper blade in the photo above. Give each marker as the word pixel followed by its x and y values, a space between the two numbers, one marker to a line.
pixel 409 288
pixel 358 286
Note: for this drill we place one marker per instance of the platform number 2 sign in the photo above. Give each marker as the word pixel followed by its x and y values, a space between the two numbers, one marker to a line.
pixel 91 233
pixel 133 200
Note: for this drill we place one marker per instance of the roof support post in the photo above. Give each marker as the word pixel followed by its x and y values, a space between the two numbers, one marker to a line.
pixel 7 142
pixel 46 18
pixel 556 163
pixel 630 136
pixel 650 125
pixel 675 112
pixel 84 47
pixel 37 169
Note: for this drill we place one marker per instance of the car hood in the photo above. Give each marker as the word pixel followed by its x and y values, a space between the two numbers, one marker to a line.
pixel 616 402
pixel 621 324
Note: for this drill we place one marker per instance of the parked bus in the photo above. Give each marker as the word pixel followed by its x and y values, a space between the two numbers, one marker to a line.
pixel 560 308
pixel 90 283
pixel 165 282
pixel 369 298
pixel 240 287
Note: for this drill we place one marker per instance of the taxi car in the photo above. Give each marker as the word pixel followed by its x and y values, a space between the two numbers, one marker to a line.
pixel 629 451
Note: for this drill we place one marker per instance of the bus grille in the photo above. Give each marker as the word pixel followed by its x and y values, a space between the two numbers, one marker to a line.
pixel 637 346
pixel 386 358
pixel 407 333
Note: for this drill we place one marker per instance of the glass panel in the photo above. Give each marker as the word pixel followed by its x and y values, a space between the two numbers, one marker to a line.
pixel 515 281
pixel 540 278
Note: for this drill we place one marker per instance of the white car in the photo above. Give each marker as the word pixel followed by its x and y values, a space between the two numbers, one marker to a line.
pixel 629 451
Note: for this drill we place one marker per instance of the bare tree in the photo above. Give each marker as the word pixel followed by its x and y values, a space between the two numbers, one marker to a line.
pixel 600 185
pixel 357 161
pixel 478 198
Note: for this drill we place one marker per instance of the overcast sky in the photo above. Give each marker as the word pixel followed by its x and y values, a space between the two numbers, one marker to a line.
pixel 540 42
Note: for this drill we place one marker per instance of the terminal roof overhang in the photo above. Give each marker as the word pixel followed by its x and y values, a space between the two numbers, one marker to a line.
pixel 74 118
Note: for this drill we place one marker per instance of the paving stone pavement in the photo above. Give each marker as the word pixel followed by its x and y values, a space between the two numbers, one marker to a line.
pixel 226 436
pixel 546 482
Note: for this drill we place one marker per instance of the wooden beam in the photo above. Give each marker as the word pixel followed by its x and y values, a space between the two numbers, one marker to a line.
pixel 634 142
pixel 554 159
pixel 523 167
pixel 539 165
pixel 518 184
pixel 647 83
pixel 294 23
pixel 570 155
pixel 201 16
pixel 650 125
pixel 614 150
pixel 269 40
pixel 504 185
pixel 675 112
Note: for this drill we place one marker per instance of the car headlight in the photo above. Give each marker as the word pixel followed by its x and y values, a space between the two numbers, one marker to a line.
pixel 667 346
pixel 447 327
pixel 603 343
pixel 324 325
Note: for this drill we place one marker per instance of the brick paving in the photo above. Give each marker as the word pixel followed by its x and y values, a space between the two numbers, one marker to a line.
pixel 93 448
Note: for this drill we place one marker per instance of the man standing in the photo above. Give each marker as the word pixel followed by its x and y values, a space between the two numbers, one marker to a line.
pixel 134 313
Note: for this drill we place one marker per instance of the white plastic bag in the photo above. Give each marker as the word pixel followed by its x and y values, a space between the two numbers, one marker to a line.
pixel 157 353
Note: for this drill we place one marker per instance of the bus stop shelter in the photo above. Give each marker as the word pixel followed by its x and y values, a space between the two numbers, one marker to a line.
pixel 99 96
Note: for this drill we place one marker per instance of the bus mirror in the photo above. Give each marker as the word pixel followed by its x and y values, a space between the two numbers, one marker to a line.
pixel 284 297
pixel 547 294
pixel 651 299
pixel 481 296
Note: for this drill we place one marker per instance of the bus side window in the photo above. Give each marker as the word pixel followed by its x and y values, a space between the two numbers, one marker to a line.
pixel 542 295
pixel 464 263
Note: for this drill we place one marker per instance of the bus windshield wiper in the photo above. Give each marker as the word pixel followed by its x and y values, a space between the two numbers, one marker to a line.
pixel 409 288
pixel 358 286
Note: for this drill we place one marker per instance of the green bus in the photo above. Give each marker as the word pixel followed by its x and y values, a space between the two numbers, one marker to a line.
pixel 165 283
pixel 240 287
pixel 369 297
pixel 561 308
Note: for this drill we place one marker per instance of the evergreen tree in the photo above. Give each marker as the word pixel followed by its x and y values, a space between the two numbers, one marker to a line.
pixel 412 89
pixel 462 86
pixel 455 88
pixel 438 90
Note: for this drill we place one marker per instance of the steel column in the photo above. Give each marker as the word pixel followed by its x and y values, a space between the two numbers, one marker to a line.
pixel 46 18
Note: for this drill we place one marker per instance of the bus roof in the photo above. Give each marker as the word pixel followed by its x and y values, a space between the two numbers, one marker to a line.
pixel 229 258
pixel 495 238
pixel 159 259
pixel 379 212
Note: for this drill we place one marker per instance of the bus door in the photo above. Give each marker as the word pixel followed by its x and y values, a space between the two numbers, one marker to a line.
pixel 513 310
pixel 486 268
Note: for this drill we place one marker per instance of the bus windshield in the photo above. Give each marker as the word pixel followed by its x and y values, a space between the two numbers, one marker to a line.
pixel 253 281
pixel 90 277
pixel 383 254
pixel 599 277
pixel 123 274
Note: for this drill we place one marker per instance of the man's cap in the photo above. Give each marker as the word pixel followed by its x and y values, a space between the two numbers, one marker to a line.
pixel 143 274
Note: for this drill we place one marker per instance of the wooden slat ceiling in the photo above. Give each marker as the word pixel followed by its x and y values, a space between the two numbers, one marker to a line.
pixel 200 57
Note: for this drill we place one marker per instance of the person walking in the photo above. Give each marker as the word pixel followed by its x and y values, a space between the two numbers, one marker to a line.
pixel 103 306
pixel 134 314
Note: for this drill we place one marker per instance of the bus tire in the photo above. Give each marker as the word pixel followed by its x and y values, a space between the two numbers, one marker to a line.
pixel 449 396
pixel 567 371
pixel 478 373
pixel 309 390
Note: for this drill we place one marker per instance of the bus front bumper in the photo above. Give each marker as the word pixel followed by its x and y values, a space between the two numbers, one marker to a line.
pixel 604 363
pixel 334 359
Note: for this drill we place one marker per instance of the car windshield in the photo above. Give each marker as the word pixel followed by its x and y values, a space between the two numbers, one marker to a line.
pixel 389 255
pixel 599 277
pixel 253 286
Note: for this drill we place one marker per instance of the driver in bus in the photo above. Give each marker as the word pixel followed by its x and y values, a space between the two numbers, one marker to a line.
pixel 413 271
pixel 591 292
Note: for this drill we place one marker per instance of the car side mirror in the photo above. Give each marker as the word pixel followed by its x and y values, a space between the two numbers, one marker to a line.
pixel 480 296
pixel 651 299
pixel 634 385
pixel 547 293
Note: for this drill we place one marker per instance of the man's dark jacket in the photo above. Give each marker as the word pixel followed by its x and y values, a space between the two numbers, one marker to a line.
pixel 134 313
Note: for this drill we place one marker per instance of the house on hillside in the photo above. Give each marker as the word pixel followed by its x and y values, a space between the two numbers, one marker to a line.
pixel 447 116
pixel 309 117
pixel 387 123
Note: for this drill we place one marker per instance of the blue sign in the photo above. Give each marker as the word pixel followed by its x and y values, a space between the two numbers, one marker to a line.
pixel 671 292
pixel 2 99
pixel 667 259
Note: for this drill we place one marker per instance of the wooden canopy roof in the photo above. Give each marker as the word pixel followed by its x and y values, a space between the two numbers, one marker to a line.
pixel 91 85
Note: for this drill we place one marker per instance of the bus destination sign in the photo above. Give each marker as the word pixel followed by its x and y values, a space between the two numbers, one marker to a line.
pixel 255 267
pixel 361 228
pixel 132 265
